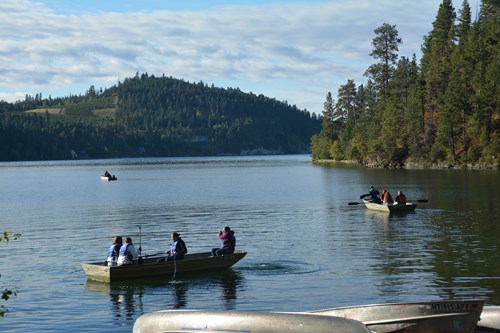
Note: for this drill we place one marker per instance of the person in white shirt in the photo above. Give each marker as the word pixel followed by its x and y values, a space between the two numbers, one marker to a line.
pixel 127 253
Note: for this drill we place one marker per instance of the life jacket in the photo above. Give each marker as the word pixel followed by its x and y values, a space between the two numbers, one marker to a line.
pixel 114 251
pixel 173 247
pixel 178 246
pixel 124 252
pixel 387 196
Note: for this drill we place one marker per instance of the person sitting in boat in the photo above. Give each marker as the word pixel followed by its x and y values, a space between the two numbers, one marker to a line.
pixel 386 197
pixel 374 194
pixel 114 251
pixel 401 198
pixel 177 249
pixel 228 242
pixel 127 253
pixel 107 174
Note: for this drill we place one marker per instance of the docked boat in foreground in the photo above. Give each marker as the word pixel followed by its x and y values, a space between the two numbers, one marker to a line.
pixel 157 267
pixel 394 208
pixel 243 321
pixel 489 321
pixel 448 316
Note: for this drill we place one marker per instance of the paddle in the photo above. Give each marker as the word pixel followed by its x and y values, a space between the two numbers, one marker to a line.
pixel 362 196
pixel 422 200
pixel 354 203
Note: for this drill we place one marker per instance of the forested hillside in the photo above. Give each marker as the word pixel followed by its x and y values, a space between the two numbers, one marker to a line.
pixel 152 116
pixel 441 112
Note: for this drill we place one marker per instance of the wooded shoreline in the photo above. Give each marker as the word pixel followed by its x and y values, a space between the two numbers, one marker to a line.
pixel 439 112
pixel 410 166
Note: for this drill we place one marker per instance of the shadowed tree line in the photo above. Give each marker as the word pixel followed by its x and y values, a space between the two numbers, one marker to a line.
pixel 152 116
pixel 442 111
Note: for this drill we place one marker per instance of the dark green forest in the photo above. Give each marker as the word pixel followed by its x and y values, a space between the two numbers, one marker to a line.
pixel 152 116
pixel 440 112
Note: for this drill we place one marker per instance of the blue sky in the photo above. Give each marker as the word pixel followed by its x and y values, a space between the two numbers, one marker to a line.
pixel 293 51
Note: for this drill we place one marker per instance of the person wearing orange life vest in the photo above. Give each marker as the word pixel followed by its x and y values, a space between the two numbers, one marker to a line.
pixel 386 197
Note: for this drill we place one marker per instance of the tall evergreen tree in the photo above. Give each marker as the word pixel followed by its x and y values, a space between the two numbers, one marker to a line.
pixel 436 67
pixel 327 124
pixel 457 106
pixel 346 112
pixel 385 52
pixel 414 115
pixel 320 143
pixel 346 102
pixel 366 129
pixel 485 81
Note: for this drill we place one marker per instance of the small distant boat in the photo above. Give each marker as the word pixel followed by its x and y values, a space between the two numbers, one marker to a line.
pixel 193 321
pixel 448 316
pixel 394 208
pixel 157 267
pixel 109 178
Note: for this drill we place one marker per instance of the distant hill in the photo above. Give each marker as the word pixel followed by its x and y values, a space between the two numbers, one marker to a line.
pixel 153 116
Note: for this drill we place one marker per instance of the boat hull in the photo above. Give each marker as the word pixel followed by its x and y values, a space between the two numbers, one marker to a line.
pixel 241 321
pixel 490 320
pixel 449 316
pixel 192 263
pixel 397 208
pixel 108 178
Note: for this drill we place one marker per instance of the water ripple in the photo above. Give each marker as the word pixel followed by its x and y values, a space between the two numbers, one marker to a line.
pixel 278 268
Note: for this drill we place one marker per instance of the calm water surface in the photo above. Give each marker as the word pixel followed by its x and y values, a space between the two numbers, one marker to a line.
pixel 308 249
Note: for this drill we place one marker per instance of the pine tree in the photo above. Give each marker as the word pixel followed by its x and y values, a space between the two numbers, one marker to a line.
pixel 457 106
pixel 385 51
pixel 485 82
pixel 346 115
pixel 327 124
pixel 346 103
pixel 436 70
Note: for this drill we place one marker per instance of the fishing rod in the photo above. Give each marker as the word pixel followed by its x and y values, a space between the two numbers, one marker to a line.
pixel 140 261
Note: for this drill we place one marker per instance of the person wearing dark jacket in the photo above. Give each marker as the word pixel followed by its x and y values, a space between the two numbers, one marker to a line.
pixel 177 249
pixel 228 242
pixel 374 195
pixel 401 198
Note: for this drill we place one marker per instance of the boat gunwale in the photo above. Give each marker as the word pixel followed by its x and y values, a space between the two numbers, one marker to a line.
pixel 187 258
pixel 99 271
pixel 393 208
pixel 472 300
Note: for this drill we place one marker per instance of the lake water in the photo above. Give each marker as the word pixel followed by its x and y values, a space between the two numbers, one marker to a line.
pixel 307 247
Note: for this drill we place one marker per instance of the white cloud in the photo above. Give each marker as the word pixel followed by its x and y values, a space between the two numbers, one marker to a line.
pixel 295 52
